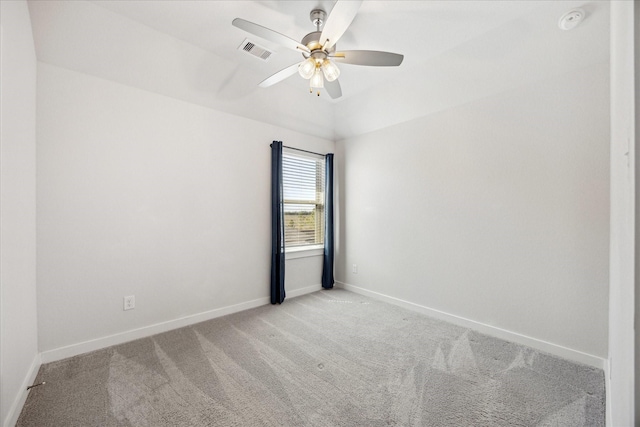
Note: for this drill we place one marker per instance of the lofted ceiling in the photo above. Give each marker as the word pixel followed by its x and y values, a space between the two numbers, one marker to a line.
pixel 455 52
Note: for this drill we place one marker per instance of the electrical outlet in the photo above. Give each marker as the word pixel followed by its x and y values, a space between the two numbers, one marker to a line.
pixel 354 269
pixel 130 302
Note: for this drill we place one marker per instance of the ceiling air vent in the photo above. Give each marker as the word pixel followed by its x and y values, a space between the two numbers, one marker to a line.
pixel 255 50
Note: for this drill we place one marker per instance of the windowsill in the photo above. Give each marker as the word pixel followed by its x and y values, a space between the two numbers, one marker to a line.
pixel 304 251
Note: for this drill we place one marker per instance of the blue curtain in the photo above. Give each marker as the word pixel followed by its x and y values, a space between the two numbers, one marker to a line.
pixel 327 264
pixel 277 225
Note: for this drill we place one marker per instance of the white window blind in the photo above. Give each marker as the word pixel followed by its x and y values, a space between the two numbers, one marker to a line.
pixel 303 187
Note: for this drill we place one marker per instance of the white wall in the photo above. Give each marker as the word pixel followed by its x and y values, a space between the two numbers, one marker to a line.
pixel 636 30
pixel 142 194
pixel 18 320
pixel 495 211
pixel 623 268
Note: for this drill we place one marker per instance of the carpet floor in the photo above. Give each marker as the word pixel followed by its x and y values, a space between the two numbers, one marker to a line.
pixel 331 358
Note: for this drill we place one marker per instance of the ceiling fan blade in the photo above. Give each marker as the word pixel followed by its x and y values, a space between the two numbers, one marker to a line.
pixel 333 89
pixel 368 57
pixel 267 34
pixel 338 21
pixel 280 75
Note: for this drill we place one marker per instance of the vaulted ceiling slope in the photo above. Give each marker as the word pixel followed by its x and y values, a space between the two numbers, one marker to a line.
pixel 455 52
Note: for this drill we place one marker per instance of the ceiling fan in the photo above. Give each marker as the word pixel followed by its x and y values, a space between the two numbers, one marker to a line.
pixel 319 49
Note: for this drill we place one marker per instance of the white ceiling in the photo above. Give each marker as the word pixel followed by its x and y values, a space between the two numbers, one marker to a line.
pixel 455 52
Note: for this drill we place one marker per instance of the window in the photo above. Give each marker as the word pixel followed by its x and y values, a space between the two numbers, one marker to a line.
pixel 303 187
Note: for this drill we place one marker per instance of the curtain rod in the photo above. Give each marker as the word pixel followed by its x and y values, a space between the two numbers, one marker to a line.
pixel 300 149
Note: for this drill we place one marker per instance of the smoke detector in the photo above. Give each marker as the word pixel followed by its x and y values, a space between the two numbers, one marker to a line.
pixel 571 19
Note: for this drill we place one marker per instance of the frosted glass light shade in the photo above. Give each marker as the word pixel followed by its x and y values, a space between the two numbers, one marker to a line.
pixel 316 81
pixel 307 68
pixel 330 70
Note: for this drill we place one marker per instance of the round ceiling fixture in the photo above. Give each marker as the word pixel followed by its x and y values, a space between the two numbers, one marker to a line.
pixel 571 19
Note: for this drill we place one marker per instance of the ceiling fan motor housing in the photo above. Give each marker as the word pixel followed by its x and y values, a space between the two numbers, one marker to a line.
pixel 312 41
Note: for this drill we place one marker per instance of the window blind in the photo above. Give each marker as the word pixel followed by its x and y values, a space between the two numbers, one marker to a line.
pixel 303 187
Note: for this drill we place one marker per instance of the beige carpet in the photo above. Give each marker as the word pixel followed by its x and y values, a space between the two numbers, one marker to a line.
pixel 331 358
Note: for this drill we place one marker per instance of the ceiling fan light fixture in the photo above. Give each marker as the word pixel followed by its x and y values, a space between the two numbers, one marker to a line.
pixel 319 50
pixel 330 70
pixel 307 68
pixel 316 82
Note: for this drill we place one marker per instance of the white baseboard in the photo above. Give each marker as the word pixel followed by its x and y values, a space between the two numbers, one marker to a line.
pixel 303 291
pixel 147 331
pixel 547 347
pixel 21 398
pixel 607 388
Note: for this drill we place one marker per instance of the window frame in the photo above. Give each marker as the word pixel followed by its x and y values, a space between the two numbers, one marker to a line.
pixel 311 249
